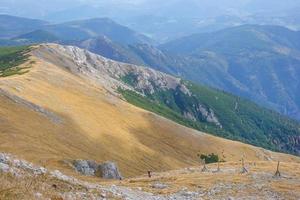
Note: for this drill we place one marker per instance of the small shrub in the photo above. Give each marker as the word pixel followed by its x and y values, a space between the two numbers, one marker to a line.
pixel 11 58
pixel 211 158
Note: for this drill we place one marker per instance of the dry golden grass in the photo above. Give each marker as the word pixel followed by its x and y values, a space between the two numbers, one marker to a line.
pixel 44 186
pixel 98 126
pixel 27 187
pixel 259 180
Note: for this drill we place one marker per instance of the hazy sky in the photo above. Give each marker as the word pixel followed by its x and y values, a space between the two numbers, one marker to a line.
pixel 42 8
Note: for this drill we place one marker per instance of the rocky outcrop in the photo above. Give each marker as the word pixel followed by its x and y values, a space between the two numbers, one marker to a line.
pixel 86 167
pixel 4 167
pixel 111 74
pixel 105 71
pixel 9 163
pixel 107 170
pixel 207 115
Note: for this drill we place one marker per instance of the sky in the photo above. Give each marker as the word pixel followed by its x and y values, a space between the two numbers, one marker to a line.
pixel 44 8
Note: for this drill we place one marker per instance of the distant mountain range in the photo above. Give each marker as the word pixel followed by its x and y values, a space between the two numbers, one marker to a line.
pixel 164 21
pixel 14 31
pixel 165 29
pixel 257 62
pixel 11 26
pixel 252 61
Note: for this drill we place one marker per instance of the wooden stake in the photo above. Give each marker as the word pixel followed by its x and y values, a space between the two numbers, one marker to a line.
pixel 218 166
pixel 204 169
pixel 149 174
pixel 244 170
pixel 277 173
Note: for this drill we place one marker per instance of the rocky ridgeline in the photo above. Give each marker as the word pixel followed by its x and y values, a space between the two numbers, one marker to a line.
pixel 105 71
pixel 112 75
pixel 9 164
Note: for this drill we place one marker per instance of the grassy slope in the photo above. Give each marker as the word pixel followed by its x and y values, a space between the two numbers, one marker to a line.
pixel 11 58
pixel 241 120
pixel 229 181
pixel 99 127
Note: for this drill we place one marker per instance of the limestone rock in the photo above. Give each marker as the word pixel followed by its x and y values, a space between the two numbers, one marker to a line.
pixel 4 167
pixel 159 186
pixel 109 170
pixel 85 167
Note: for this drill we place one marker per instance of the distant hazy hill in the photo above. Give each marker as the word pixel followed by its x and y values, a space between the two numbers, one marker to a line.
pixel 237 39
pixel 86 29
pixel 260 62
pixel 37 36
pixel 32 31
pixel 11 26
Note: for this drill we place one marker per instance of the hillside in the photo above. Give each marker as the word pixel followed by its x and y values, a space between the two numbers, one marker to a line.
pixel 23 31
pixel 37 36
pixel 237 60
pixel 11 26
pixel 77 31
pixel 257 62
pixel 108 48
pixel 199 107
pixel 51 115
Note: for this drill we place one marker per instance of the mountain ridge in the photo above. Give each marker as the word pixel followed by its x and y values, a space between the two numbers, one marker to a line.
pixel 228 60
pixel 12 26
pixel 241 62
pixel 93 123
pixel 27 31
pixel 196 106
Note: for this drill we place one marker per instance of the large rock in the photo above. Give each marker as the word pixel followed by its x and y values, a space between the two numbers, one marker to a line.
pixel 109 170
pixel 4 168
pixel 4 158
pixel 86 167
